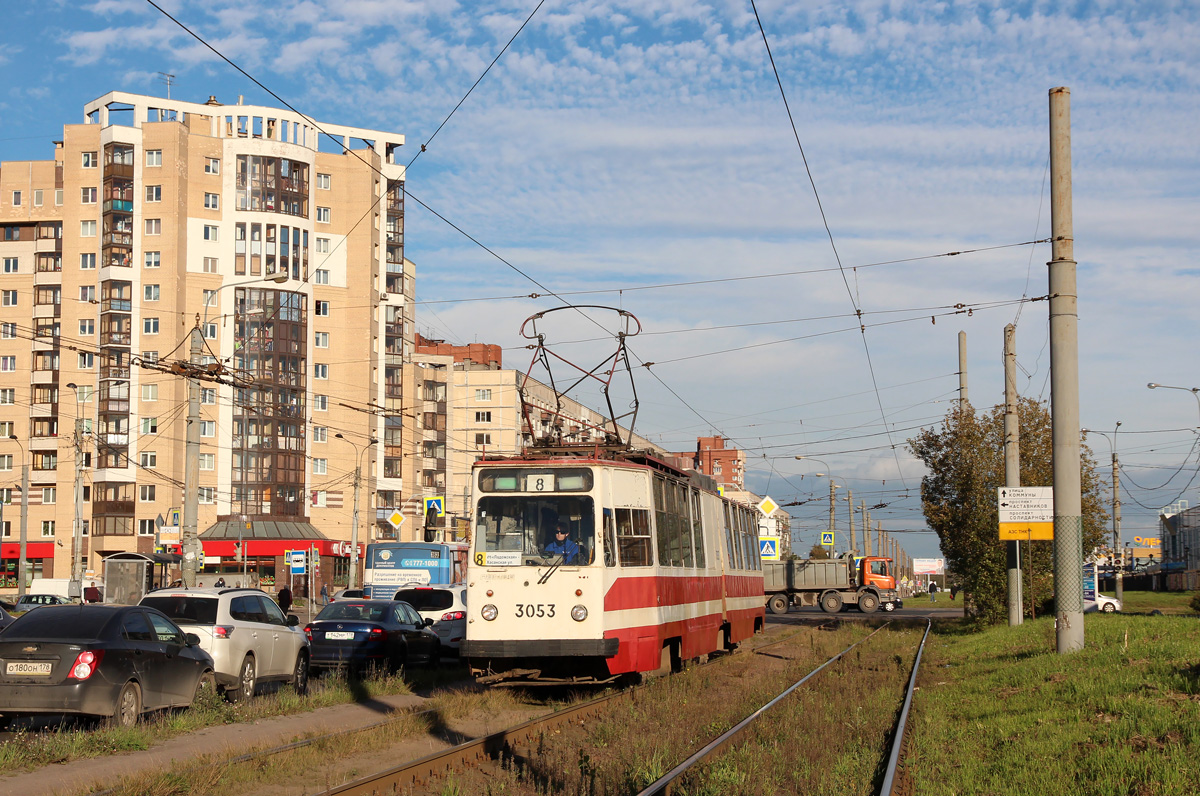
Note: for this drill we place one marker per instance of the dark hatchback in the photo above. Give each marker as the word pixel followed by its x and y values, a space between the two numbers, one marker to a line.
pixel 361 634
pixel 111 661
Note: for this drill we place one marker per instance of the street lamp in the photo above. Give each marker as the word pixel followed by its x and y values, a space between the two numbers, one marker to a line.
pixel 1116 501
pixel 23 559
pixel 193 550
pixel 358 452
pixel 75 589
pixel 1195 391
pixel 832 496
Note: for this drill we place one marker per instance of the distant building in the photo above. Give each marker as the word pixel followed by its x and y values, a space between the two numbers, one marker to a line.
pixel 727 466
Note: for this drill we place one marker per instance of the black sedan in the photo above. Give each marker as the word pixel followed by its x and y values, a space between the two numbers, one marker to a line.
pixel 360 634
pixel 114 661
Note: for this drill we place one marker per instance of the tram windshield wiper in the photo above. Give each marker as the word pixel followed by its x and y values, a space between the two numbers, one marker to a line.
pixel 562 557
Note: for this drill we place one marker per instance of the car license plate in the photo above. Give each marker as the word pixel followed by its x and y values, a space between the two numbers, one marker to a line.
pixel 339 635
pixel 39 668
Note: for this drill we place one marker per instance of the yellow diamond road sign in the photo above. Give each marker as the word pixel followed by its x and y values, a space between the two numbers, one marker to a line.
pixel 396 519
pixel 768 506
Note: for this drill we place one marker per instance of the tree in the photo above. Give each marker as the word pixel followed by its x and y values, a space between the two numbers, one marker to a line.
pixel 818 552
pixel 965 459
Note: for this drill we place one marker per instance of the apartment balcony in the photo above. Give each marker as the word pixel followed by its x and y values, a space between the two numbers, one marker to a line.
pixel 114 440
pixel 114 406
pixel 118 205
pixel 45 377
pixel 48 443
pixel 46 342
pixel 112 507
pixel 114 372
pixel 43 409
pixel 47 311
pixel 393 329
pixel 116 338
pixel 118 170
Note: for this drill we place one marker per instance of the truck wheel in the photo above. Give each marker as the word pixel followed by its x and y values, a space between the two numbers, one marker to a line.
pixel 868 603
pixel 778 604
pixel 831 602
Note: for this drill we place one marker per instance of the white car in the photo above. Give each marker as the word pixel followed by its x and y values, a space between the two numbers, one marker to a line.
pixel 446 606
pixel 1107 605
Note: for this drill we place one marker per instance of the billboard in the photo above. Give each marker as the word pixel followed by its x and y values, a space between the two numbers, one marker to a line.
pixel 929 566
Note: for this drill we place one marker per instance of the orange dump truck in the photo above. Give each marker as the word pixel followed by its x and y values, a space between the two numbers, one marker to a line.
pixel 867 582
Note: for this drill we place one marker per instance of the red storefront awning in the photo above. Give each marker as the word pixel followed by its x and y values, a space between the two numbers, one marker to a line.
pixel 32 550
pixel 261 548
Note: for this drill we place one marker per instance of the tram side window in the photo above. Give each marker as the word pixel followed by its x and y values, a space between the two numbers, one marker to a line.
pixel 683 526
pixel 633 537
pixel 753 558
pixel 661 525
pixel 697 528
pixel 730 559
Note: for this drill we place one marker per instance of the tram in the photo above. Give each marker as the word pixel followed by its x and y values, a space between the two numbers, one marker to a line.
pixel 655 568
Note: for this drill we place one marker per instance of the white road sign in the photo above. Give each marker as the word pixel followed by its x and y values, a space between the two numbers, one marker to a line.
pixel 1025 503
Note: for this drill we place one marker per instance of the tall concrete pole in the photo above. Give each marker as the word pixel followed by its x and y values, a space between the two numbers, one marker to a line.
pixel 1116 501
pixel 850 514
pixel 962 368
pixel 190 539
pixel 832 498
pixel 24 556
pixel 1012 469
pixel 1064 385
pixel 75 589
pixel 352 582
pixel 866 529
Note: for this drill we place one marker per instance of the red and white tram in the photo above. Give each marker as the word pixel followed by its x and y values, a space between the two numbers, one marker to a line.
pixel 659 568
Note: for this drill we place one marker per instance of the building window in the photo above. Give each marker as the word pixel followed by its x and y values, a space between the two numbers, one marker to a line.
pixel 149 425
pixel 87 293
pixel 150 292
pixel 207 494
pixel 210 265
pixel 37 197
pixel 8 364
pixel 153 226
pixel 322 245
pixel 320 276
pixel 212 166
pixel 323 215
pixel 483 439
pixel 483 417
pixel 146 528
pixel 321 308
pixel 212 201
pixel 320 402
pixel 8 298
pixel 320 371
pixel 208 395
pixel 146 493
pixel 87 261
pixel 483 395
pixel 47 529
pixel 210 232
pixel 10 265
pixel 8 396
pixel 49 495
pixel 153 259
pixel 6 462
pixel 149 459
pixel 87 229
pixel 208 428
pixel 320 434
pixel 89 160
pixel 149 392
pixel 321 339
pixel 150 357
pixel 208 461
pixel 86 360
pixel 149 325
pixel 8 331
pixel 153 157
pixel 210 331
pixel 153 193
pixel 58 197
pixel 87 196
pixel 87 327
pixel 320 466
pixel 323 182
pixel 16 199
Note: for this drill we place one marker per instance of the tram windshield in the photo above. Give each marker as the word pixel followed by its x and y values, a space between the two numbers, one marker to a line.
pixel 524 530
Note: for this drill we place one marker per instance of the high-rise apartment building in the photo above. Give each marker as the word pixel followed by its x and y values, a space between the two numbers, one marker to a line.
pixel 284 239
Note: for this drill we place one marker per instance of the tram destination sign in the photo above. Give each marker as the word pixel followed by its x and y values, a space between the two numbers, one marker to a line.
pixel 1026 512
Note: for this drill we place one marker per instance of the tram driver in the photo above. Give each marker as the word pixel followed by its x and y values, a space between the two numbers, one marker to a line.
pixel 563 544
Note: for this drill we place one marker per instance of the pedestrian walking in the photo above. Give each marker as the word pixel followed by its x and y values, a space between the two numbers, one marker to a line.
pixel 324 594
pixel 220 583
pixel 933 590
pixel 953 592
pixel 284 598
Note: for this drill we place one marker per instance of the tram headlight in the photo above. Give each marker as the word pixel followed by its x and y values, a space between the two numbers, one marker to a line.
pixel 489 612
pixel 579 613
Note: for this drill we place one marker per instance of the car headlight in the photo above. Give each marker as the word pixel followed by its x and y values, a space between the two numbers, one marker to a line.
pixel 579 613
pixel 489 612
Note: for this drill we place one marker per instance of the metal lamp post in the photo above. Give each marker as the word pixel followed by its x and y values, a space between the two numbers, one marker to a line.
pixel 1116 502
pixel 358 452
pixel 23 559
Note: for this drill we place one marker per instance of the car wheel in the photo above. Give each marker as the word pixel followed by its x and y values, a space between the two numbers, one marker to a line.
pixel 1109 608
pixel 247 678
pixel 207 684
pixel 128 708
pixel 889 606
pixel 300 674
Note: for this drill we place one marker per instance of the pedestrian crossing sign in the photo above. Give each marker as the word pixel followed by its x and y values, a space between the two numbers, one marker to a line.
pixel 827 538
pixel 768 548
pixel 438 504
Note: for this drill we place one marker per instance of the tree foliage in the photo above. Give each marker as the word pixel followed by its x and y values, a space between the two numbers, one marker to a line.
pixel 965 459
pixel 818 552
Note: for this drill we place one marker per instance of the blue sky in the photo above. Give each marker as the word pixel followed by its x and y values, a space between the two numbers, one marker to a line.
pixel 623 145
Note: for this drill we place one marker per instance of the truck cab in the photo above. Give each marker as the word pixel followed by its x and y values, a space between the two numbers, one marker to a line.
pixel 876 571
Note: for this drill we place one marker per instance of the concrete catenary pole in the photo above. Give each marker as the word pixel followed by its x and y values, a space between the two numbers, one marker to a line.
pixel 1064 385
pixel 962 368
pixel 75 589
pixel 190 539
pixel 866 529
pixel 832 498
pixel 1116 505
pixel 850 514
pixel 1012 468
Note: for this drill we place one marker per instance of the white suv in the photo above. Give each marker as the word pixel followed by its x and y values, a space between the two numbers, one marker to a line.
pixel 246 633
pixel 446 606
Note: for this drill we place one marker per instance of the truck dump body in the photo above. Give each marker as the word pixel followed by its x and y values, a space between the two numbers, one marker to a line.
pixel 800 574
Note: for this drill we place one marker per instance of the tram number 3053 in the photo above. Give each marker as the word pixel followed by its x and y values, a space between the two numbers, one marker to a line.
pixel 534 611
